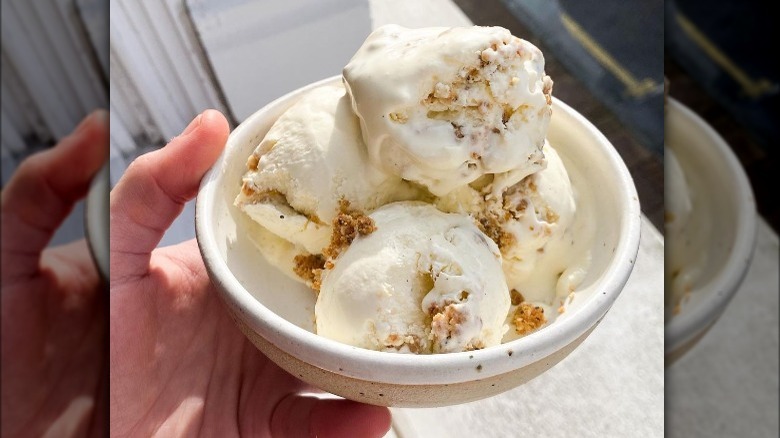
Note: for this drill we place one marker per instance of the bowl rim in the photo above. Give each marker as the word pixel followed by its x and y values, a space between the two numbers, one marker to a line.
pixel 96 225
pixel 684 327
pixel 447 368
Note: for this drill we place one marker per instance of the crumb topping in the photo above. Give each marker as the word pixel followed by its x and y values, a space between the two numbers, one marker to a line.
pixel 516 297
pixel 514 205
pixel 272 196
pixel 396 341
pixel 458 129
pixel 547 86
pixel 683 299
pixel 474 345
pixel 472 115
pixel 309 267
pixel 347 225
pixel 520 207
pixel 444 323
pixel 528 318
pixel 399 117
pixel 262 196
pixel 492 226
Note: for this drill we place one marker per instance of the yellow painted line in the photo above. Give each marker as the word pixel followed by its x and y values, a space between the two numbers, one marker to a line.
pixel 751 87
pixel 634 87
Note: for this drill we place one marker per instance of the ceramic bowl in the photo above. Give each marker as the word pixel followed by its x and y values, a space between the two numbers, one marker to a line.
pixel 721 234
pixel 96 221
pixel 276 312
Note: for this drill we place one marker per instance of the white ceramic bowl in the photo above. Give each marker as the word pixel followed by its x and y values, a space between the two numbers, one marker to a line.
pixel 276 313
pixel 724 224
pixel 96 221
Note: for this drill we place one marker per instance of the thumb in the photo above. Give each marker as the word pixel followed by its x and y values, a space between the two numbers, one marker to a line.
pixel 43 191
pixel 154 189
pixel 308 416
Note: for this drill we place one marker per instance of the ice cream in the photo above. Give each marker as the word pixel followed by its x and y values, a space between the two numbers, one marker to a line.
pixel 424 281
pixel 532 223
pixel 312 159
pixel 684 261
pixel 678 205
pixel 684 228
pixel 445 106
pixel 420 199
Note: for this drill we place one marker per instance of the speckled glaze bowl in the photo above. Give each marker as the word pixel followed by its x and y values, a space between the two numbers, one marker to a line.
pixel 723 223
pixel 276 313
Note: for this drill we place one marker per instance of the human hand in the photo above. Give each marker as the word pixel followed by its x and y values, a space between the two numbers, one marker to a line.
pixel 179 365
pixel 54 325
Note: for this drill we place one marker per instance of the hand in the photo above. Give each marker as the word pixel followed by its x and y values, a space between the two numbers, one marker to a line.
pixel 54 322
pixel 179 365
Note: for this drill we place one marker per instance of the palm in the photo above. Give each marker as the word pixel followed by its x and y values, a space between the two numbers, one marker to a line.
pixel 199 370
pixel 52 324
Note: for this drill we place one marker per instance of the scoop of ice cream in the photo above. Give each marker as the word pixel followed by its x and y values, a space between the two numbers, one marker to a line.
pixel 444 106
pixel 423 282
pixel 310 161
pixel 677 199
pixel 684 262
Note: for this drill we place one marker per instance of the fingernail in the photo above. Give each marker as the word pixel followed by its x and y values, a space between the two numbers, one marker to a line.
pixel 97 116
pixel 193 124
pixel 100 116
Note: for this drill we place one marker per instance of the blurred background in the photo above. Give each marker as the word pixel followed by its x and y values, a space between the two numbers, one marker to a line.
pixel 718 66
pixel 720 63
pixel 54 73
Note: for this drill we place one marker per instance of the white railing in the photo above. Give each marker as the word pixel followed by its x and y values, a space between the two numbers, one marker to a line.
pixel 51 76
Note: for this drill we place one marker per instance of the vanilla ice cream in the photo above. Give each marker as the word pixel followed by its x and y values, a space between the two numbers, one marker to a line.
pixel 444 106
pixel 685 229
pixel 424 281
pixel 310 160
pixel 677 199
pixel 420 199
